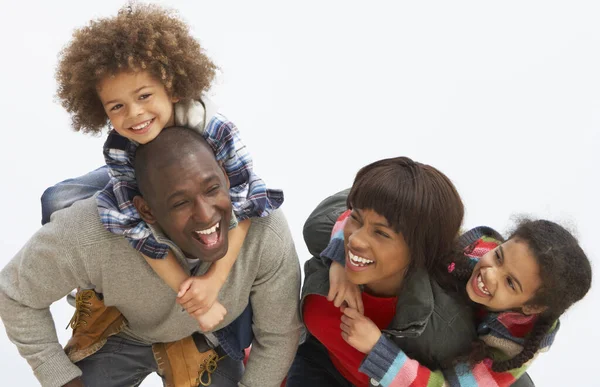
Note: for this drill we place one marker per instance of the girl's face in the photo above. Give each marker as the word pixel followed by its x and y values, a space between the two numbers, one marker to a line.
pixel 138 106
pixel 376 255
pixel 506 278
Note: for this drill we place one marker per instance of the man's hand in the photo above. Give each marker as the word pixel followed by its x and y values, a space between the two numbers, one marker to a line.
pixel 74 383
pixel 359 331
pixel 340 289
pixel 198 294
pixel 213 317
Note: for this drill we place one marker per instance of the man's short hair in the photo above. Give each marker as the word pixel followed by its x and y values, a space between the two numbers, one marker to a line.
pixel 167 148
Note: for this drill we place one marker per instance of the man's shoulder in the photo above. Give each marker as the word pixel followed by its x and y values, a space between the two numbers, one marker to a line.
pixel 81 222
pixel 273 227
pixel 270 240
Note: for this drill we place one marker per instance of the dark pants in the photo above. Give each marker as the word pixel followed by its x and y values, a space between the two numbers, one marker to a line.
pixel 122 362
pixel 313 367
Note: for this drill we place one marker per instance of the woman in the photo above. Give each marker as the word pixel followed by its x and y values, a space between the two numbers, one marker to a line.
pixel 405 219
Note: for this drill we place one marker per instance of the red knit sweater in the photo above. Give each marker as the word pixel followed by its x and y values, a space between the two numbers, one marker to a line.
pixel 323 320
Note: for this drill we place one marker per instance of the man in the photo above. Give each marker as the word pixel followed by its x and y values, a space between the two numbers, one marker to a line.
pixel 184 190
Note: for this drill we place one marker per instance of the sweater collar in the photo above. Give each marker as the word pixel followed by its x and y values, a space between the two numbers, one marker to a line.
pixel 161 237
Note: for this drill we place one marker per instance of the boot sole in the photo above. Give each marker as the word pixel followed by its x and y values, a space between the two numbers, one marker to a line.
pixel 112 329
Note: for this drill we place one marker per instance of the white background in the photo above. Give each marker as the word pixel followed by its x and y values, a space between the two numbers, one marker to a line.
pixel 501 96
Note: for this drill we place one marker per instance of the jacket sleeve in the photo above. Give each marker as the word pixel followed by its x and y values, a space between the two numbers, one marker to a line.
pixel 40 274
pixel 320 223
pixel 390 366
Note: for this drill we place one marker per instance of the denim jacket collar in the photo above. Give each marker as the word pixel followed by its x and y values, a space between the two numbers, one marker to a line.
pixel 414 307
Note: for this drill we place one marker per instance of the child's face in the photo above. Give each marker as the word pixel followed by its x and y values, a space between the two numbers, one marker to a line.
pixel 138 106
pixel 505 278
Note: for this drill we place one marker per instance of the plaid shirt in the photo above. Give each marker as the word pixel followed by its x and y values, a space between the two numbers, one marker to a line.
pixel 250 196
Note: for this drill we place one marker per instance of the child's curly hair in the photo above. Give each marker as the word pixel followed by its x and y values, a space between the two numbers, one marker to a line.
pixel 566 277
pixel 139 37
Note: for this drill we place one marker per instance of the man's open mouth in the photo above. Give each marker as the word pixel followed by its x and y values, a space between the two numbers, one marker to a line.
pixel 208 236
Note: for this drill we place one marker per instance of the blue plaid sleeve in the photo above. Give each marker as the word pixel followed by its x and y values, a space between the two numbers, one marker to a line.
pixel 115 201
pixel 249 194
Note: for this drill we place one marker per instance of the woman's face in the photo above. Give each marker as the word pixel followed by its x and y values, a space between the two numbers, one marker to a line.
pixel 376 255
pixel 505 278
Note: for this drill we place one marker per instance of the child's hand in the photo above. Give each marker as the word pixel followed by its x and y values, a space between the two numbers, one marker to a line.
pixel 213 317
pixel 359 331
pixel 198 294
pixel 340 289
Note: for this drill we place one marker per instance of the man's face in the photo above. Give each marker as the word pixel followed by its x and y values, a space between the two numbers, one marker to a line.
pixel 189 200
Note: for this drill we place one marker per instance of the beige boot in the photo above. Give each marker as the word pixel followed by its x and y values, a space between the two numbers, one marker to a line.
pixel 182 365
pixel 92 323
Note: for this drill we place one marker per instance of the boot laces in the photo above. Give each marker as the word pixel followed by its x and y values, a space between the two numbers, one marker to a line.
pixel 82 309
pixel 208 366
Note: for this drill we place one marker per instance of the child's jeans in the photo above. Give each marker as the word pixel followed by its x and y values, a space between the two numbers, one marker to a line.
pixel 65 193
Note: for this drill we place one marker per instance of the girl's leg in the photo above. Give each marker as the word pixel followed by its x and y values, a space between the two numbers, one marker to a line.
pixel 65 193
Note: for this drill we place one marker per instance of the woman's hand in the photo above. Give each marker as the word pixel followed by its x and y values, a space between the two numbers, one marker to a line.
pixel 340 289
pixel 359 331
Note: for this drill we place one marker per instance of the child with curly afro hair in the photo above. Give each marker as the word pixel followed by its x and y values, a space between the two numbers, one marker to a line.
pixel 137 73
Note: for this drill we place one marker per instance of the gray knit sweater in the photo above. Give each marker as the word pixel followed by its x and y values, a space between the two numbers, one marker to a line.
pixel 75 250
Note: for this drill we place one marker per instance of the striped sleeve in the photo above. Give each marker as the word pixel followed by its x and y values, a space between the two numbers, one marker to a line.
pixel 390 366
pixel 335 250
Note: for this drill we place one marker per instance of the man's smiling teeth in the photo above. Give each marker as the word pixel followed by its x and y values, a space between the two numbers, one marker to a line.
pixel 142 125
pixel 481 286
pixel 209 231
pixel 358 261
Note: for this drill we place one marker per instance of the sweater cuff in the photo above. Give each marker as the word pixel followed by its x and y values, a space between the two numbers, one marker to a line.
pixel 381 358
pixel 57 371
pixel 335 251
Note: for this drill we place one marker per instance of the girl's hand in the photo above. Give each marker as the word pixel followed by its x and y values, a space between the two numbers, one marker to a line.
pixel 198 294
pixel 359 331
pixel 340 289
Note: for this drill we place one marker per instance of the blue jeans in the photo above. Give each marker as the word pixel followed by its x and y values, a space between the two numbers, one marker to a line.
pixel 65 193
pixel 121 362
pixel 313 367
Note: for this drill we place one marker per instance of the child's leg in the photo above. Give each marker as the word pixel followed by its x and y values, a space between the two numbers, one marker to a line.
pixel 65 193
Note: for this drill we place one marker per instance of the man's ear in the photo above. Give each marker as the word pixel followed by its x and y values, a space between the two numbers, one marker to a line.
pixel 144 210
pixel 533 309
pixel 174 99
pixel 225 174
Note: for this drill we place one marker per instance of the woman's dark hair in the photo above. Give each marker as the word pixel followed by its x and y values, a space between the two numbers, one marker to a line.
pixel 566 277
pixel 417 200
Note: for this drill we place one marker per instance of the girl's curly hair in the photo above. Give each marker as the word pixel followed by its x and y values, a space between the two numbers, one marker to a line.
pixel 139 37
pixel 566 277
